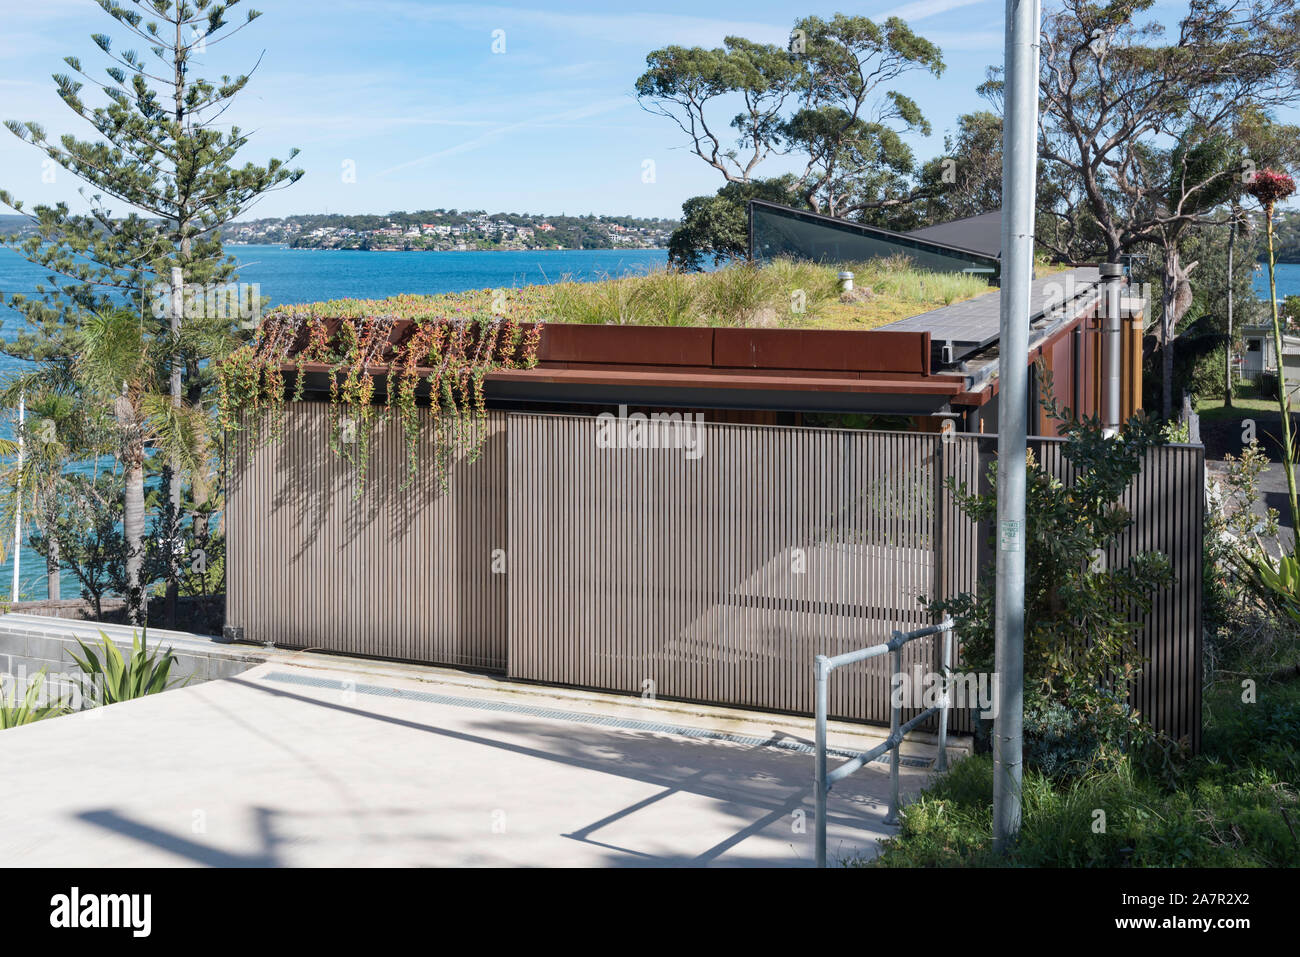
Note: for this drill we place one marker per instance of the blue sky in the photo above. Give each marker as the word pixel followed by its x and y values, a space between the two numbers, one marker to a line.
pixel 411 93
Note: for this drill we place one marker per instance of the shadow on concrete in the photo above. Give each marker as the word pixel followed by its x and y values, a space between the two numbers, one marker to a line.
pixel 737 786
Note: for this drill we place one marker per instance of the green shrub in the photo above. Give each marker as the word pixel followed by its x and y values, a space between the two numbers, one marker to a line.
pixel 1235 805
pixel 14 712
pixel 800 289
pixel 1079 621
pixel 120 679
pixel 1204 380
pixel 897 277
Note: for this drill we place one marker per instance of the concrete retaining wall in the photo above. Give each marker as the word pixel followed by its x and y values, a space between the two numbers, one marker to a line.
pixel 29 643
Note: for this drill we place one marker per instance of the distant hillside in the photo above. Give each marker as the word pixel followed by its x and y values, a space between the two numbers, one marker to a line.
pixel 454 229
pixel 438 229
pixel 1286 237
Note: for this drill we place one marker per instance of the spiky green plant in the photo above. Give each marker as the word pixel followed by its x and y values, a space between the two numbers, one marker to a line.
pixel 14 712
pixel 120 679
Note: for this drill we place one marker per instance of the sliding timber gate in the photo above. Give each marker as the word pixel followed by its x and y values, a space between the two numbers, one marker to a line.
pixel 712 569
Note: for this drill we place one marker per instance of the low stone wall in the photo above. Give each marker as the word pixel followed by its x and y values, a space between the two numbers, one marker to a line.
pixel 76 608
pixel 30 642
pixel 204 616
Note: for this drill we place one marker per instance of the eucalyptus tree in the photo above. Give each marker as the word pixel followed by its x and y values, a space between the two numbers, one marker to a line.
pixel 1128 109
pixel 1205 172
pixel 967 179
pixel 163 150
pixel 848 131
pixel 827 101
pixel 692 85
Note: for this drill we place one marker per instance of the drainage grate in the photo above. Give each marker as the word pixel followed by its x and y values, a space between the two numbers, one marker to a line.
pixel 556 714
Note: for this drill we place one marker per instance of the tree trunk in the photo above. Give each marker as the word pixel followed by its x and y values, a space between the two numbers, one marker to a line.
pixel 52 569
pixel 1175 299
pixel 1166 343
pixel 133 532
pixel 1227 352
pixel 177 314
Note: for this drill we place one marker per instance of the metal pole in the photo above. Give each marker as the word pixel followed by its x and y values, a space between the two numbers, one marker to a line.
pixel 1112 276
pixel 18 504
pixel 1227 365
pixel 819 782
pixel 944 704
pixel 895 719
pixel 1020 156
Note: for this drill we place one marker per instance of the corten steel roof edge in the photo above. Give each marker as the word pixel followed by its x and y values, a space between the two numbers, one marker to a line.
pixel 731 380
pixel 510 388
pixel 568 345
pixel 842 350
pixel 319 374
pixel 872 350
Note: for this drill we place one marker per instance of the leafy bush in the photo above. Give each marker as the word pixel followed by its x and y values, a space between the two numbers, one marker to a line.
pixel 87 534
pixel 121 679
pixel 1079 631
pixel 1058 741
pixel 1235 805
pixel 1238 624
pixel 1205 377
pixel 14 712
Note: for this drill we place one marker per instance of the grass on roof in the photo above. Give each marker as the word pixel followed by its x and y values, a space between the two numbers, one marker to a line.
pixel 780 294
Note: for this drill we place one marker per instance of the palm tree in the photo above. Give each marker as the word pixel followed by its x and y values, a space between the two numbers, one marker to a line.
pixel 59 430
pixel 122 367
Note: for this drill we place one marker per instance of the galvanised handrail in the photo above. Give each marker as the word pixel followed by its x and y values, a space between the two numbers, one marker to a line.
pixel 823 779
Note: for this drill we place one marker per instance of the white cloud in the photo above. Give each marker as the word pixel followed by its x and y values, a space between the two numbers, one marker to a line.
pixel 626 29
pixel 921 9
pixel 492 135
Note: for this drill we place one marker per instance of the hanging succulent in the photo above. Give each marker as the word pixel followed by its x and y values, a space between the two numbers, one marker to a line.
pixel 436 348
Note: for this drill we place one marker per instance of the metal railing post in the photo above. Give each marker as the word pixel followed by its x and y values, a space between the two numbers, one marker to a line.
pixel 819 782
pixel 895 719
pixel 824 779
pixel 941 763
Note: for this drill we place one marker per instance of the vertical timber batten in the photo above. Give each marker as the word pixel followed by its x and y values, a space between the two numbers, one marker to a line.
pixel 634 566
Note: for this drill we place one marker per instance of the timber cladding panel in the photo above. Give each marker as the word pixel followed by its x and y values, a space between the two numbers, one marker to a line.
pixel 1166 503
pixel 717 579
pixel 393 573
pixel 714 578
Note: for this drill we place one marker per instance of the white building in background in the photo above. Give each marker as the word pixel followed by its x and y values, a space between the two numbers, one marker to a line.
pixel 1260 355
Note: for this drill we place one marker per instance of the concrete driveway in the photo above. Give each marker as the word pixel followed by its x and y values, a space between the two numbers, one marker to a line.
pixel 300 766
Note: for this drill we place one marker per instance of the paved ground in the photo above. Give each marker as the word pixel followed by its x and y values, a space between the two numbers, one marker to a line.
pixel 298 766
pixel 1223 435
